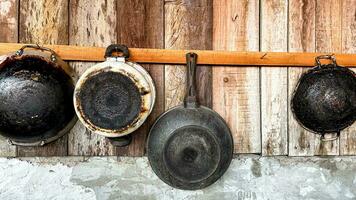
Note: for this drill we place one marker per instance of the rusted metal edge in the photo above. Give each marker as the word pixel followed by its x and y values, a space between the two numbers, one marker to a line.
pixel 167 56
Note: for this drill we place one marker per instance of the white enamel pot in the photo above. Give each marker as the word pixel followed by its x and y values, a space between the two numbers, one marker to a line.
pixel 115 97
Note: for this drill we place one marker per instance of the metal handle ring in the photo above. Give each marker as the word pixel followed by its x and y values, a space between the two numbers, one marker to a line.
pixel 37 46
pixel 326 57
pixel 323 139
pixel 117 48
pixel 31 144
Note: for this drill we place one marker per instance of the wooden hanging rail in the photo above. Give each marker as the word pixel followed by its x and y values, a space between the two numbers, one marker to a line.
pixel 167 56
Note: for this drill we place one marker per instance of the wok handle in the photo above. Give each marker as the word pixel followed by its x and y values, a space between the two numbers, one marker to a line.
pixel 325 57
pixel 53 53
pixel 323 139
pixel 191 93
pixel 30 144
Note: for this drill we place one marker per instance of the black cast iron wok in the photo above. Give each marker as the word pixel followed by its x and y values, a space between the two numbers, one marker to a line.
pixel 190 146
pixel 324 100
pixel 36 92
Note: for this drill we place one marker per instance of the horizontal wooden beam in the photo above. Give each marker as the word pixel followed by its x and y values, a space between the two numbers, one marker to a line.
pixel 166 56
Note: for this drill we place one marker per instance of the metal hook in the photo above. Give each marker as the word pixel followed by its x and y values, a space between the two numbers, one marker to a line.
pixel 327 57
pixel 37 46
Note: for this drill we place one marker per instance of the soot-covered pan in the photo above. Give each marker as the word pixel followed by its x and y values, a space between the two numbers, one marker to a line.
pixel 324 100
pixel 36 92
pixel 190 146
pixel 114 98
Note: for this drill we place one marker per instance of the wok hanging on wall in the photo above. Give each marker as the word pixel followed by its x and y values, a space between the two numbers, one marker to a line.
pixel 190 146
pixel 324 100
pixel 114 98
pixel 36 92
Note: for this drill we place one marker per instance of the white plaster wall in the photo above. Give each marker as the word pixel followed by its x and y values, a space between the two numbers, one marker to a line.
pixel 131 178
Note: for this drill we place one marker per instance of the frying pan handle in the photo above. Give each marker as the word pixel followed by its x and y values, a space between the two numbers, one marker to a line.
pixel 326 57
pixel 119 48
pixel 37 46
pixel 323 139
pixel 191 94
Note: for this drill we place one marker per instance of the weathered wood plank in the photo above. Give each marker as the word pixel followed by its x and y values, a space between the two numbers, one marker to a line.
pixel 206 57
pixel 274 95
pixel 327 39
pixel 236 94
pixel 140 24
pixel 301 39
pixel 91 23
pixel 188 25
pixel 348 136
pixel 8 33
pixel 42 22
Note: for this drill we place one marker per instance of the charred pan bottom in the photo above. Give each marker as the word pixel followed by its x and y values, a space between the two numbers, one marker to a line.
pixel 109 100
pixel 192 154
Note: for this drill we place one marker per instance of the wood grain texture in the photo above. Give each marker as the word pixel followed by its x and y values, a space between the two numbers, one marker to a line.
pixel 91 23
pixel 274 95
pixel 8 33
pixel 328 39
pixel 301 39
pixel 44 21
pixel 348 136
pixel 236 90
pixel 234 59
pixel 188 25
pixel 140 24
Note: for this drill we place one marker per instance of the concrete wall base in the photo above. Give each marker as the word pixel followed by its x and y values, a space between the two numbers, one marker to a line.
pixel 104 178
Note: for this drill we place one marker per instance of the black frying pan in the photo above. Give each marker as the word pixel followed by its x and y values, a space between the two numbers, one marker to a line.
pixel 190 146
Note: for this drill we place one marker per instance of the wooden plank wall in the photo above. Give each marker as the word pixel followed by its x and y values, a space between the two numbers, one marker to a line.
pixel 301 38
pixel 44 24
pixel 8 33
pixel 236 94
pixel 254 101
pixel 274 37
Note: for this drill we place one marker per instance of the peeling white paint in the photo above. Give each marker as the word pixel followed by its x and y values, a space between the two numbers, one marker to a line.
pixel 107 178
pixel 5 7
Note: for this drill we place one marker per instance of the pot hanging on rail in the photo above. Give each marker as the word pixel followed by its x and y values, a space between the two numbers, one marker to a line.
pixel 36 92
pixel 114 98
pixel 190 146
pixel 324 100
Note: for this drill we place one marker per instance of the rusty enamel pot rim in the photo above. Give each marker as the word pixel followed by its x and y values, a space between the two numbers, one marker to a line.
pixel 133 71
pixel 49 56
